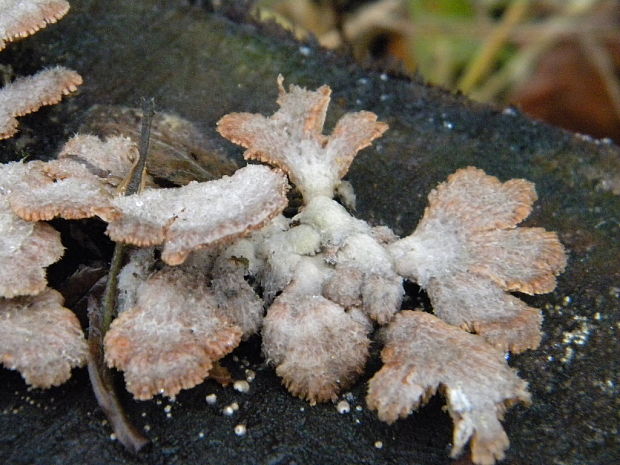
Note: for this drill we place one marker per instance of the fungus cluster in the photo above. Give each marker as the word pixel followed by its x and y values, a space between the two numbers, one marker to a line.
pixel 218 261
pixel 38 336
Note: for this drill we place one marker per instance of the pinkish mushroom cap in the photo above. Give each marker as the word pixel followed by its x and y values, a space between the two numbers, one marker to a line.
pixel 467 250
pixel 40 338
pixel 292 139
pixel 170 340
pixel 423 354
pixel 199 214
pixel 26 248
pixel 22 18
pixel 27 94
pixel 318 348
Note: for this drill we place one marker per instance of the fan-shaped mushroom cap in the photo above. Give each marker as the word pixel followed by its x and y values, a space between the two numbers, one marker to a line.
pixel 317 347
pixel 110 159
pixel 466 249
pixel 292 139
pixel 422 354
pixel 27 94
pixel 80 183
pixel 171 338
pixel 198 214
pixel 478 305
pixel 40 338
pixel 21 18
pixel 26 248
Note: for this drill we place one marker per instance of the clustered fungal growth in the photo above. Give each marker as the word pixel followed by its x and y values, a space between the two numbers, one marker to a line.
pixel 38 336
pixel 219 261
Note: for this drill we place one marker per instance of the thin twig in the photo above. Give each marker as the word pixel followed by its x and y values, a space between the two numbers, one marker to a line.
pixel 477 68
pixel 103 386
pixel 101 317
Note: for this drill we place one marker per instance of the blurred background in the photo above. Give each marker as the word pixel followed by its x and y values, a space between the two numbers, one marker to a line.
pixel 557 60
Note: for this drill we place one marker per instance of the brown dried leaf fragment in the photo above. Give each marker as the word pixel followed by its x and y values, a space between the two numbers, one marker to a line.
pixel 422 354
pixel 466 249
pixel 179 152
pixel 199 214
pixel 291 138
pixel 21 18
pixel 27 94
pixel 40 338
pixel 317 347
pixel 171 338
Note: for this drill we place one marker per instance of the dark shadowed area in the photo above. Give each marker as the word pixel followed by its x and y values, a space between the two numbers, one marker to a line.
pixel 202 65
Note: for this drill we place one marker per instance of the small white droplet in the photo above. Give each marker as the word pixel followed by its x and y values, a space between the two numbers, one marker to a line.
pixel 250 375
pixel 378 444
pixel 383 77
pixel 167 408
pixel 229 410
pixel 359 408
pixel 240 429
pixel 201 435
pixel 211 399
pixel 113 437
pixel 343 407
pixel 241 386
pixel 305 51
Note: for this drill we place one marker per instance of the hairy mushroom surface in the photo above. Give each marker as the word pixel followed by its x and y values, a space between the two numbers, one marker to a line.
pixel 292 139
pixel 466 251
pixel 318 348
pixel 422 354
pixel 27 94
pixel 199 214
pixel 26 248
pixel 40 338
pixel 21 18
pixel 80 183
pixel 170 340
